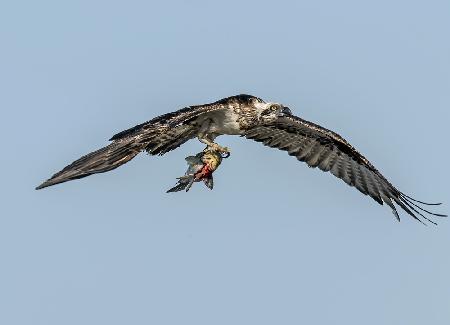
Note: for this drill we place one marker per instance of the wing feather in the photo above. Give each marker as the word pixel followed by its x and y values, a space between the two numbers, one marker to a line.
pixel 157 136
pixel 169 131
pixel 328 160
pixel 325 149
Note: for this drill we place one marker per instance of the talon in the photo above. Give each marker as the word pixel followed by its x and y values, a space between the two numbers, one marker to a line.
pixel 218 148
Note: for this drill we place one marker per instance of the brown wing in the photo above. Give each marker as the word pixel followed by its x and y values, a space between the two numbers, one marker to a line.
pixel 157 136
pixel 328 151
pixel 169 131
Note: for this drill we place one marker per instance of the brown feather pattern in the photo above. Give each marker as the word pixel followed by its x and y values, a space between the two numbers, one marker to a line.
pixel 316 146
pixel 157 136
pixel 325 149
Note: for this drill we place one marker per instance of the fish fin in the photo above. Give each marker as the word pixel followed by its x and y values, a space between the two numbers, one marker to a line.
pixel 179 187
pixel 192 160
pixel 209 182
pixel 189 185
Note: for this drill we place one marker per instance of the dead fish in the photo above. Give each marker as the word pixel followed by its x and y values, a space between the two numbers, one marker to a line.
pixel 200 168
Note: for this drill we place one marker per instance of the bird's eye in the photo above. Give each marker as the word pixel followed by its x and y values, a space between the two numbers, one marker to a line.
pixel 274 107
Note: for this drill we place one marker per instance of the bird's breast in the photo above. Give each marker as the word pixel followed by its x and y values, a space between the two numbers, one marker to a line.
pixel 225 122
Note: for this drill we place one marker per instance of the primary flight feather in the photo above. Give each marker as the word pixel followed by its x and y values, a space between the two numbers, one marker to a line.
pixel 269 123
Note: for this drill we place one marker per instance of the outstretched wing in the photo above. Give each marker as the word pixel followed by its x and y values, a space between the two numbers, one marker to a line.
pixel 169 131
pixel 328 151
pixel 157 136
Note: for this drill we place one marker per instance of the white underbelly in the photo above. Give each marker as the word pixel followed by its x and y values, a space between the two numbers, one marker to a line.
pixel 224 122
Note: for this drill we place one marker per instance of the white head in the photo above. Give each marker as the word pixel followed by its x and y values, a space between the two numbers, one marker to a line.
pixel 272 111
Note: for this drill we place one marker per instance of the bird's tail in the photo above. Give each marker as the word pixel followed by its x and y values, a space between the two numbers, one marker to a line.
pixel 100 161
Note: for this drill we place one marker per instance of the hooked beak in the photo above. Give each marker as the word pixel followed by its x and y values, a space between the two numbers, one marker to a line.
pixel 285 111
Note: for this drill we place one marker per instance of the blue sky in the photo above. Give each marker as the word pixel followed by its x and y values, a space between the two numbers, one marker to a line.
pixel 275 242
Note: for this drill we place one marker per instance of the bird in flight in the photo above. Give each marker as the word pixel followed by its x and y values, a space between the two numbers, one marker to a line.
pixel 272 124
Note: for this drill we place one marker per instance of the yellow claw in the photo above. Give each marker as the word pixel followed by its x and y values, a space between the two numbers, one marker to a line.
pixel 217 148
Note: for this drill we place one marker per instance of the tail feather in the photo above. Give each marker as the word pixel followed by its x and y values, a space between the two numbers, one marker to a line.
pixel 100 161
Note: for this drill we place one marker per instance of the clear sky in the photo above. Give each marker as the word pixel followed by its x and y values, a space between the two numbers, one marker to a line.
pixel 275 242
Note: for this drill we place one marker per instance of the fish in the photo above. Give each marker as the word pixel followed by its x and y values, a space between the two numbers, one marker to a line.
pixel 200 169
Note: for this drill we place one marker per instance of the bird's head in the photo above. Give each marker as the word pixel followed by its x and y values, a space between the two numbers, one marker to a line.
pixel 273 111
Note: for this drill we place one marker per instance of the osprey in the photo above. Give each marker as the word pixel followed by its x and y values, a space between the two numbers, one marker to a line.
pixel 247 116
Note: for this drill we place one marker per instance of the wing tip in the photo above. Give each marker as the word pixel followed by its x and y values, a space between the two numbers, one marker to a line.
pixel 40 187
pixel 412 207
pixel 49 182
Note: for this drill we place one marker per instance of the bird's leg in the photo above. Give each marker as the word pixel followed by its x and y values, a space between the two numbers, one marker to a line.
pixel 208 139
pixel 213 146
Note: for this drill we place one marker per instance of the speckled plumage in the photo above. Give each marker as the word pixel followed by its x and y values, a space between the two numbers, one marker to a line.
pixel 250 117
